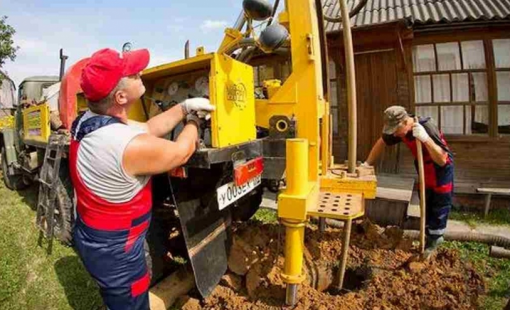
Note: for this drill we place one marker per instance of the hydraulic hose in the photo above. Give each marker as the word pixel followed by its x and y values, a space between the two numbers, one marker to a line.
pixel 467 237
pixel 488 239
pixel 246 42
pixel 498 252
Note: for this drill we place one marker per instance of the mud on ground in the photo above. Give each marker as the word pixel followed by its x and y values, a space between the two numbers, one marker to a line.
pixel 382 273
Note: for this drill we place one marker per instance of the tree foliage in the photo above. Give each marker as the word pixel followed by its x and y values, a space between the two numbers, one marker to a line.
pixel 7 48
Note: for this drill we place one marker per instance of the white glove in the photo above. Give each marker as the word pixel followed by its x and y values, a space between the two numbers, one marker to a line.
pixel 204 115
pixel 365 165
pixel 196 105
pixel 420 133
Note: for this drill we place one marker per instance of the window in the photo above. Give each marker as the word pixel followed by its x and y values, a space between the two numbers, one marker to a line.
pixel 501 49
pixel 450 83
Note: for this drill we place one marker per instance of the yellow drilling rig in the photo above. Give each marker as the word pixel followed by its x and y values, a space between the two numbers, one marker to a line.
pixel 258 134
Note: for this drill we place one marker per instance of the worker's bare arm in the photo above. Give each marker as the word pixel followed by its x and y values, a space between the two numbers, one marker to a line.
pixel 148 155
pixel 439 156
pixel 376 151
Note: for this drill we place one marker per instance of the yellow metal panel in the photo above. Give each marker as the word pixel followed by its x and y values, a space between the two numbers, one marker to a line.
pixel 295 207
pixel 232 92
pixel 342 206
pixel 36 123
pixel 366 185
pixel 136 112
pixel 81 103
pixel 181 66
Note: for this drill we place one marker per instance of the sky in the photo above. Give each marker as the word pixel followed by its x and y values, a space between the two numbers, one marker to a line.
pixel 85 26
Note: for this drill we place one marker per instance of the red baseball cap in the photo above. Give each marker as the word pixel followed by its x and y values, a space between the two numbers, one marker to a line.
pixel 105 69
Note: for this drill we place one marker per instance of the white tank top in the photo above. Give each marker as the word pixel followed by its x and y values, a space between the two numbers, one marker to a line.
pixel 100 161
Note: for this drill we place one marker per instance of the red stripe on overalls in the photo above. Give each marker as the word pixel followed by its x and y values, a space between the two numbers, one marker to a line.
pixel 140 286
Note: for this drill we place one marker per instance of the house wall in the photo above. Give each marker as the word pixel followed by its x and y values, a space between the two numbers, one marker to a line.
pixel 381 81
pixel 384 76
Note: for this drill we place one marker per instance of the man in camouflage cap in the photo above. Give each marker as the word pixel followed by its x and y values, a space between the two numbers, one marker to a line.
pixel 399 126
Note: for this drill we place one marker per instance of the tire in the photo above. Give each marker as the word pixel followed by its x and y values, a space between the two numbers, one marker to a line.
pixel 64 214
pixel 12 182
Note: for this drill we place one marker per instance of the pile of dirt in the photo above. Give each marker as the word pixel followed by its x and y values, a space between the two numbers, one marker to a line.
pixel 382 273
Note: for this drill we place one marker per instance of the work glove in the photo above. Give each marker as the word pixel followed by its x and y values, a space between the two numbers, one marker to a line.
pixel 196 105
pixel 420 133
pixel 365 165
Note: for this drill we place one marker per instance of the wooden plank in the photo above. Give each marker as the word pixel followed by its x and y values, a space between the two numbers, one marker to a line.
pixel 164 294
pixel 394 188
pixel 384 212
pixel 413 209
pixel 393 194
pixel 487 204
pixel 497 191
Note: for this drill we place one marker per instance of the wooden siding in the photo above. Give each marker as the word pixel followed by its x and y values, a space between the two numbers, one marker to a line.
pixel 384 77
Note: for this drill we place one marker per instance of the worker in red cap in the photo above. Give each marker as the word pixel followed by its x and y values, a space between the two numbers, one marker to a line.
pixel 111 160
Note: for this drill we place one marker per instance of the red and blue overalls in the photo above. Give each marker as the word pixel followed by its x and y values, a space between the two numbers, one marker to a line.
pixel 109 236
pixel 438 180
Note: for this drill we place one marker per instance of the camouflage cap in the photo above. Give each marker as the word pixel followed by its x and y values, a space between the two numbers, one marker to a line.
pixel 393 116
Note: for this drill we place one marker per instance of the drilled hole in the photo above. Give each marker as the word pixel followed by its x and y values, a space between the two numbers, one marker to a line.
pixel 337 201
pixel 335 205
pixel 323 206
pixel 346 213
pixel 321 211
pixel 349 195
pixel 334 210
pixel 347 204
pixel 347 208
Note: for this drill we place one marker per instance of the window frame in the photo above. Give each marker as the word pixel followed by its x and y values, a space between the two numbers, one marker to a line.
pixel 485 34
pixel 451 103
pixel 496 70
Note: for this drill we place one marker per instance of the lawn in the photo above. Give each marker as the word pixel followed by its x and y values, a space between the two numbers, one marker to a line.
pixel 30 279
pixel 495 217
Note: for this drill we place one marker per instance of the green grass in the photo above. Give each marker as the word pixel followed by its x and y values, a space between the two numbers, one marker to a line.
pixel 29 278
pixel 495 271
pixel 266 216
pixel 495 217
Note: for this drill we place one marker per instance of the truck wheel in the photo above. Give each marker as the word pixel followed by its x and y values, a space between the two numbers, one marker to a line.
pixel 64 217
pixel 12 182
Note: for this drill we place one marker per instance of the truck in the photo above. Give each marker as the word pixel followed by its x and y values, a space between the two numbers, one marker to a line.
pixel 263 130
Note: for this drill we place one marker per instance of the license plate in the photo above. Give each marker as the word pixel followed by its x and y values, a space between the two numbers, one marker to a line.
pixel 229 193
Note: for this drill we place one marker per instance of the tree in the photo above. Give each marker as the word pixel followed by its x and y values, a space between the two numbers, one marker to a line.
pixel 7 48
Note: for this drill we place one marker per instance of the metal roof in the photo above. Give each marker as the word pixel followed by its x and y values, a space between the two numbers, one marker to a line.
pixel 420 12
pixel 41 78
